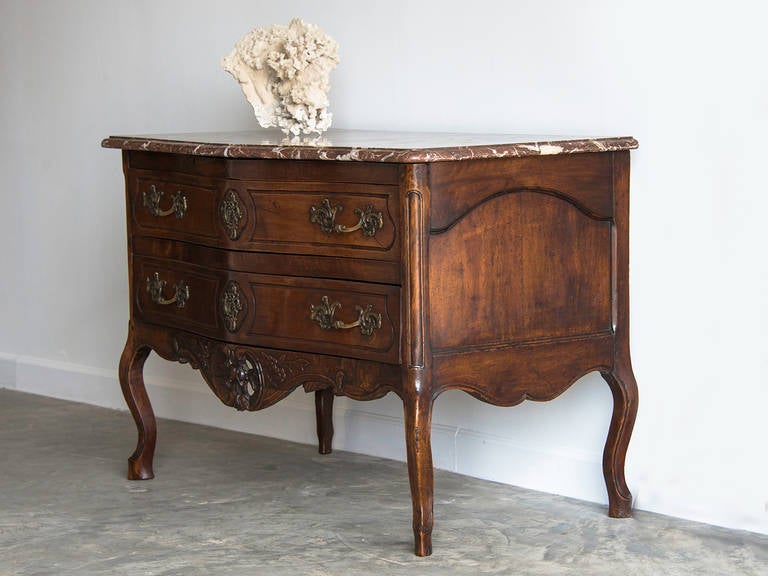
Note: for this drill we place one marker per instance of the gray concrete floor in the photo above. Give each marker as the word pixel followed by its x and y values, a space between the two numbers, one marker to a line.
pixel 230 503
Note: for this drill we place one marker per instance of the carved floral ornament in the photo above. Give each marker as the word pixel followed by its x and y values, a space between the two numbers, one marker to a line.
pixel 284 74
pixel 249 378
pixel 245 379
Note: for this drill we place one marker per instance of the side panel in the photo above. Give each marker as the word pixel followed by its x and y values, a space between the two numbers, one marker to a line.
pixel 522 266
pixel 521 279
pixel 583 179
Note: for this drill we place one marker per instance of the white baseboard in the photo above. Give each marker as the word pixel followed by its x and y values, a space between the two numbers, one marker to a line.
pixel 482 455
pixel 568 472
pixel 564 471
pixel 357 429
pixel 185 401
pixel 384 436
pixel 7 371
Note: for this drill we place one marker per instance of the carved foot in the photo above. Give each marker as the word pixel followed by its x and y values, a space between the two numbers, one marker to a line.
pixel 324 413
pixel 625 398
pixel 418 429
pixel 132 384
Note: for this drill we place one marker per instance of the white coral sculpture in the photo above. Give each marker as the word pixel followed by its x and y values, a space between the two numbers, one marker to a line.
pixel 283 72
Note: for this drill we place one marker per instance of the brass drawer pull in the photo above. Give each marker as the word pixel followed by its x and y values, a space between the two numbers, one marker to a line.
pixel 155 288
pixel 371 220
pixel 368 320
pixel 152 203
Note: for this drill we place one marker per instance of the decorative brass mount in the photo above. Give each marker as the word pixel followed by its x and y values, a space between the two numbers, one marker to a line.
pixel 232 214
pixel 233 303
pixel 155 288
pixel 152 203
pixel 368 320
pixel 371 220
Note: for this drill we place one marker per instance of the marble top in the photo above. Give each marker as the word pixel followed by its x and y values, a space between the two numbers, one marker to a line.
pixel 367 146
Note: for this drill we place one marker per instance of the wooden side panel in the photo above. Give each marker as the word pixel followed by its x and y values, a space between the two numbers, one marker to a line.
pixel 584 179
pixel 507 376
pixel 522 266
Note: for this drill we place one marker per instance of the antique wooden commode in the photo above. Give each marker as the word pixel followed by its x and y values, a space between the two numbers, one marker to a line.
pixel 374 262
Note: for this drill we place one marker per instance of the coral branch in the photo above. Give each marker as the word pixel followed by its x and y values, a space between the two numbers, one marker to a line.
pixel 283 72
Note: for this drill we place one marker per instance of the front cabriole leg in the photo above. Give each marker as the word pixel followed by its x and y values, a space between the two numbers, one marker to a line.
pixel 132 384
pixel 417 376
pixel 620 378
pixel 417 409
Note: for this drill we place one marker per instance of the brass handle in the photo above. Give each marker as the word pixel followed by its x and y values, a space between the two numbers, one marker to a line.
pixel 155 288
pixel 368 320
pixel 152 203
pixel 371 220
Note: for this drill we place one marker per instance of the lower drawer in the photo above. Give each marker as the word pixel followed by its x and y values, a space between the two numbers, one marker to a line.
pixel 349 319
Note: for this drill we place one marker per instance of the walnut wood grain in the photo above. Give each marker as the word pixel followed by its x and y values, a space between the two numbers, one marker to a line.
pixel 546 273
pixel 500 271
pixel 537 370
pixel 376 271
pixel 584 180
pixel 276 310
pixel 265 170
pixel 275 373
pixel 621 377
pixel 272 216
pixel 417 394
pixel 132 384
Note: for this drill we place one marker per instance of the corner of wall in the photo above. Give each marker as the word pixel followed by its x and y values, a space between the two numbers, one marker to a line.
pixel 67 381
pixel 7 371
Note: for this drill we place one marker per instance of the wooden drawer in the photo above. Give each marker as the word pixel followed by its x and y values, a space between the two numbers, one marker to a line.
pixel 333 219
pixel 351 319
pixel 168 208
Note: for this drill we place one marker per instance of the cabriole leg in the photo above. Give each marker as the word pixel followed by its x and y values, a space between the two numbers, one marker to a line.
pixel 418 430
pixel 624 389
pixel 324 413
pixel 132 384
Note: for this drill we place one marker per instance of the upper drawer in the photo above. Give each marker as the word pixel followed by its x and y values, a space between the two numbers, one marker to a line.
pixel 338 219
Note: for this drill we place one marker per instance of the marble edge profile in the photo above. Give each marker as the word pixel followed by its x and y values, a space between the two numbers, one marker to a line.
pixel 365 154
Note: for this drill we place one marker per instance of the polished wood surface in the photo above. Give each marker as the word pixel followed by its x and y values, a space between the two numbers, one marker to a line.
pixel 503 277
pixel 275 310
pixel 273 215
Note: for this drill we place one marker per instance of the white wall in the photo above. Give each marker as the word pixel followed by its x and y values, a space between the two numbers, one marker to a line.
pixel 687 79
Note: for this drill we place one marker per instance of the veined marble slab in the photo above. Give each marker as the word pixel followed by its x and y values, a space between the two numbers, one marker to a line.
pixel 367 146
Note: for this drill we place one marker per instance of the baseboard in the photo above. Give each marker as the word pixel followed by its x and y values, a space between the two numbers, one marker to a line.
pixel 483 455
pixel 566 471
pixel 357 429
pixel 8 370
pixel 185 401
pixel 384 436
